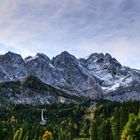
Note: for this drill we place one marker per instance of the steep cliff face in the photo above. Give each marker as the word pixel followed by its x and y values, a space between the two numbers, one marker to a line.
pixel 41 66
pixel 103 67
pixel 12 66
pixel 64 72
pixel 76 76
pixel 32 90
pixel 99 74
pixel 118 82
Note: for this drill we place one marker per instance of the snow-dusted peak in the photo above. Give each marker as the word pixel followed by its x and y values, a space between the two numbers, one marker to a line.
pixel 27 58
pixel 107 56
pixel 100 58
pixel 98 61
pixel 30 58
pixel 74 75
pixel 43 56
pixel 95 56
pixel 103 66
pixel 114 79
pixel 39 57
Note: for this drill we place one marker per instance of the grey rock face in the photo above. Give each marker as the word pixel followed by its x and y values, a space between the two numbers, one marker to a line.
pixel 39 66
pixel 64 71
pixel 103 67
pixel 77 78
pixel 12 66
pixel 100 74
pixel 32 90
pixel 3 75
pixel 116 81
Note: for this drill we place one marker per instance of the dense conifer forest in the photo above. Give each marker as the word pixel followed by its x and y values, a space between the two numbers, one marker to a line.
pixel 117 121
pixel 105 121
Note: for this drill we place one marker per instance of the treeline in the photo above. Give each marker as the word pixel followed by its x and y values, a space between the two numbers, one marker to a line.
pixel 117 121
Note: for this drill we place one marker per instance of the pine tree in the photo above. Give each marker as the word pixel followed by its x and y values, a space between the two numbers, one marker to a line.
pixel 131 130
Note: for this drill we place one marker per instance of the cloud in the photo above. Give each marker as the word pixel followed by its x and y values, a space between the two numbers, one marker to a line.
pixel 7 8
pixel 88 26
pixel 126 50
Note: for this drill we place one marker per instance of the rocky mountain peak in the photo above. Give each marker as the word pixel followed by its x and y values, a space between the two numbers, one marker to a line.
pixel 64 59
pixel 95 56
pixel 110 61
pixel 43 56
pixel 11 57
pixel 11 53
pixel 74 75
pixel 28 58
pixel 65 55
pixel 39 57
pixel 107 57
pixel 100 60
pixel 12 65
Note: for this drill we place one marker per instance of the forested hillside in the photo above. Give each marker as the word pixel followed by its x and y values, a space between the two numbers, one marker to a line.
pixel 117 121
pixel 106 121
pixel 22 122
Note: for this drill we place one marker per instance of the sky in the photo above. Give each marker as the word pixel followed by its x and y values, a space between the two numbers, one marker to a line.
pixel 80 27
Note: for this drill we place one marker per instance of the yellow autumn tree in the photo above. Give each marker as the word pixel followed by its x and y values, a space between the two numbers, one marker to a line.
pixel 18 134
pixel 47 135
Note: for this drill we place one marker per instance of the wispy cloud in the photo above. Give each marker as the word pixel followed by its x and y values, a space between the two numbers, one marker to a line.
pixel 78 26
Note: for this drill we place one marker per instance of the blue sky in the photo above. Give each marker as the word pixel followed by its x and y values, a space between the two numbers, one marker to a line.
pixel 80 27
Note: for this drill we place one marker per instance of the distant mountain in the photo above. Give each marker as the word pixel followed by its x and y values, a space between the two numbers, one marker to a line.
pixel 67 75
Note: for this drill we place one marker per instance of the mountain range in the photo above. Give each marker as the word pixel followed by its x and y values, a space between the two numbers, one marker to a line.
pixel 64 78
